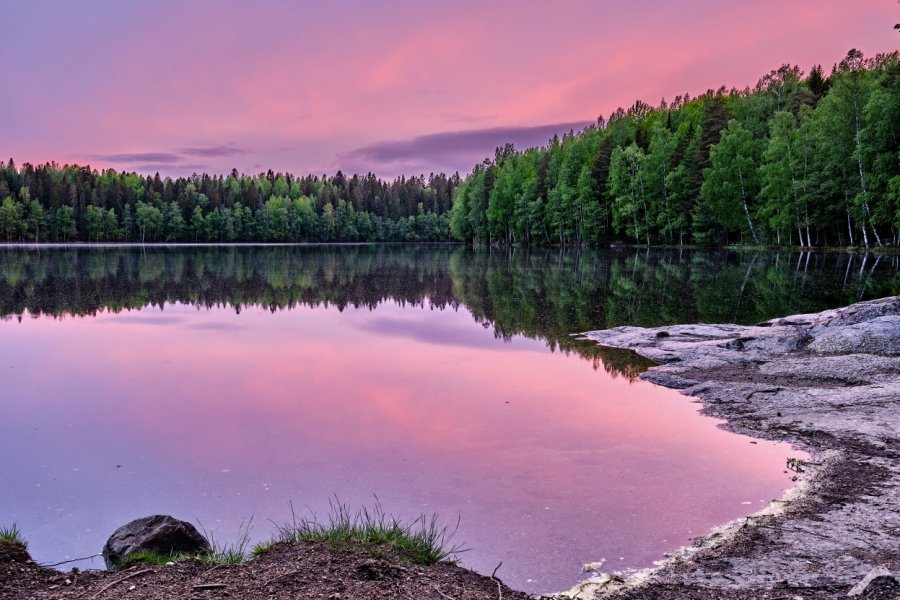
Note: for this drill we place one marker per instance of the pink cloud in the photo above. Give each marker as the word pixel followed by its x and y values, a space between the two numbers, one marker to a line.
pixel 304 85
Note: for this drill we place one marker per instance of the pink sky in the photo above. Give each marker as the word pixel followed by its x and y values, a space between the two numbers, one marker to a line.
pixel 400 87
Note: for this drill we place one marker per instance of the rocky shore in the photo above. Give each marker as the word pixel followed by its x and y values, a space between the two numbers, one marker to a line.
pixel 829 383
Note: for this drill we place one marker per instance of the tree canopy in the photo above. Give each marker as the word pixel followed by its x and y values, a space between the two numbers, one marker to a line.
pixel 804 160
pixel 53 203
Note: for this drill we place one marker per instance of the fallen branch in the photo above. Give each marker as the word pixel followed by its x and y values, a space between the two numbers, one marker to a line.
pixel 282 576
pixel 497 581
pixel 441 593
pixel 118 581
pixel 64 562
pixel 209 586
pixel 210 570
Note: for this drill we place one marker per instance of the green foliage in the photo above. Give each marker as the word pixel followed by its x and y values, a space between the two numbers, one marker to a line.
pixel 231 553
pixel 627 174
pixel 731 182
pixel 264 547
pixel 153 558
pixel 792 161
pixel 12 535
pixel 77 204
pixel 421 541
pixel 809 161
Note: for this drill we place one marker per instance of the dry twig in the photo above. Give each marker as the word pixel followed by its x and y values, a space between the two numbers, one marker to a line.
pixel 497 581
pixel 282 576
pixel 210 586
pixel 64 562
pixel 119 580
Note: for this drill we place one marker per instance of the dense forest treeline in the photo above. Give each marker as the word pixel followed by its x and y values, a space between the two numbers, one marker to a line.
pixel 541 294
pixel 797 160
pixel 53 203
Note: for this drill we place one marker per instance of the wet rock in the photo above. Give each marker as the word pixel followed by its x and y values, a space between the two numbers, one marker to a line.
pixel 878 584
pixel 839 317
pixel 880 335
pixel 159 534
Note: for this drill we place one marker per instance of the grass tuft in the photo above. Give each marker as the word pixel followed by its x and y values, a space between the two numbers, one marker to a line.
pixel 233 553
pixel 153 558
pixel 12 535
pixel 420 541
pixel 263 547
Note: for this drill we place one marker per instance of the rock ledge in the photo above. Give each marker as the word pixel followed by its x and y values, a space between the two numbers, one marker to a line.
pixel 830 384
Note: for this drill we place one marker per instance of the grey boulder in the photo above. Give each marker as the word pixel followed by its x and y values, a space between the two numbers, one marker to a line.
pixel 159 534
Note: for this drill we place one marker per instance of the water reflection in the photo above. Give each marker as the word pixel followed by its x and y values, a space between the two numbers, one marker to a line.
pixel 249 378
pixel 541 295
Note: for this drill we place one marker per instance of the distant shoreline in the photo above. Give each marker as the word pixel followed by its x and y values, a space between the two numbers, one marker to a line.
pixel 878 250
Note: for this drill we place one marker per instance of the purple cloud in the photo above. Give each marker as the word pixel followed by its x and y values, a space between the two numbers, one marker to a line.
pixel 214 151
pixel 131 157
pixel 169 169
pixel 449 150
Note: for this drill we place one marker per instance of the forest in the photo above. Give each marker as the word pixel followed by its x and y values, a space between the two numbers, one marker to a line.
pixel 797 160
pixel 53 203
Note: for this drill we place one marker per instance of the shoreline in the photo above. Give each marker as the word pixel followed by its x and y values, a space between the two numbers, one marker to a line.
pixel 884 250
pixel 828 383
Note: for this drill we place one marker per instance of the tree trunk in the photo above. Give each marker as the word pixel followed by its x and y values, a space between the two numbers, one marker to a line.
pixel 744 202
pixel 849 227
pixel 862 181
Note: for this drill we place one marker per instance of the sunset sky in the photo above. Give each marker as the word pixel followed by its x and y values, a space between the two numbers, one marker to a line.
pixel 390 87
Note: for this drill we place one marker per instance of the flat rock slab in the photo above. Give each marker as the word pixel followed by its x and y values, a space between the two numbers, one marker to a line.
pixel 830 384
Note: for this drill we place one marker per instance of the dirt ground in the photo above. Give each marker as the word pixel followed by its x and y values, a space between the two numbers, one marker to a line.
pixel 296 571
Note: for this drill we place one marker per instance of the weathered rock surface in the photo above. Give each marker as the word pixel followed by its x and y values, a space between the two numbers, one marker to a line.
pixel 160 534
pixel 830 384
pixel 878 582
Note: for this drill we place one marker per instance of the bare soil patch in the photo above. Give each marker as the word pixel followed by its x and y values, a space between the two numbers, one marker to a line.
pixel 297 570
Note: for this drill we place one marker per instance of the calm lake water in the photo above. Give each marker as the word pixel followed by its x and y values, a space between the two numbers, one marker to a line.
pixel 216 384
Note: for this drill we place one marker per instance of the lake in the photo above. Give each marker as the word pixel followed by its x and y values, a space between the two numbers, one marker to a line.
pixel 220 383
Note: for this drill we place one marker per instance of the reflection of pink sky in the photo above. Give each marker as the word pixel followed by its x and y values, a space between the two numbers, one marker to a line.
pixel 540 454
pixel 325 79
